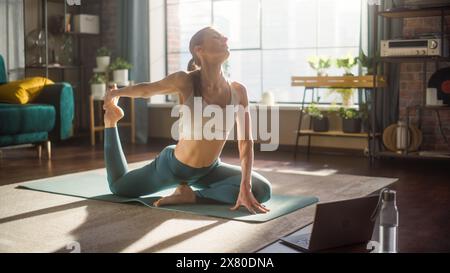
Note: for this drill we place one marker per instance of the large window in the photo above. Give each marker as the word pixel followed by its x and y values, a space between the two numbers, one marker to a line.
pixel 270 40
pixel 12 41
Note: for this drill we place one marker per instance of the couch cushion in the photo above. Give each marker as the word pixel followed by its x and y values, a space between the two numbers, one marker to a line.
pixel 23 91
pixel 27 118
pixel 10 140
pixel 60 95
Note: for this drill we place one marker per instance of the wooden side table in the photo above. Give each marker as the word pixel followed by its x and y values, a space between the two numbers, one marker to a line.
pixel 96 106
pixel 367 83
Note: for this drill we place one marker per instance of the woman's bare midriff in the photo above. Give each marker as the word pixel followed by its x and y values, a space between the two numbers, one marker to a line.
pixel 198 153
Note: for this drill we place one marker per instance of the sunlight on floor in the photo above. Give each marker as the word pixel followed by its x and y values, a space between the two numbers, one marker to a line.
pixel 169 234
pixel 320 172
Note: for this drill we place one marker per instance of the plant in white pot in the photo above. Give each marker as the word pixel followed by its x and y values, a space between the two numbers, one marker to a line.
pixel 120 69
pixel 103 58
pixel 98 86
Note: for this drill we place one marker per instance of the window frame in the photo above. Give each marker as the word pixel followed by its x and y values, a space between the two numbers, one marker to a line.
pixel 261 50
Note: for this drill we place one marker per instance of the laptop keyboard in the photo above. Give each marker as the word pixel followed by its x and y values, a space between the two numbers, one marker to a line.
pixel 304 240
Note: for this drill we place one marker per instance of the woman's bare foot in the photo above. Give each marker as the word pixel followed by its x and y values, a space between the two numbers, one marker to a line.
pixel 113 113
pixel 183 194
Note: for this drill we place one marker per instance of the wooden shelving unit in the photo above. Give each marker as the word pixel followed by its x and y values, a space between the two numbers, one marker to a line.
pixel 411 13
pixel 367 83
pixel 412 155
pixel 441 12
pixel 79 69
pixel 338 82
pixel 414 59
pixel 334 133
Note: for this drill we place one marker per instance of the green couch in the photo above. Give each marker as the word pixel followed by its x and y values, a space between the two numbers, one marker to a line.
pixel 49 118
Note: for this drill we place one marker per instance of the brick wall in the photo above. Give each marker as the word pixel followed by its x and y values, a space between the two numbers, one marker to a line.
pixel 412 86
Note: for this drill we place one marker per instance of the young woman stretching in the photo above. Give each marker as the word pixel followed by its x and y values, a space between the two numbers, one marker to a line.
pixel 192 161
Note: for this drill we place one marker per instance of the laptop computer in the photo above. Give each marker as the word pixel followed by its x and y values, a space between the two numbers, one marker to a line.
pixel 337 224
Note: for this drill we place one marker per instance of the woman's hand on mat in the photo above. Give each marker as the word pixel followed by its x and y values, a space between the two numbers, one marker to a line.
pixel 248 200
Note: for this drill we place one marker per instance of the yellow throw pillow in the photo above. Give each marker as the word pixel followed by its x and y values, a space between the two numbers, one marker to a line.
pixel 23 91
pixel 13 93
pixel 35 85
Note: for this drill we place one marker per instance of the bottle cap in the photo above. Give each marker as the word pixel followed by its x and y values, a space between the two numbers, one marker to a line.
pixel 389 195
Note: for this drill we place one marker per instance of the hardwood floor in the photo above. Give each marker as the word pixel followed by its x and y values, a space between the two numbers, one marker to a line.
pixel 423 191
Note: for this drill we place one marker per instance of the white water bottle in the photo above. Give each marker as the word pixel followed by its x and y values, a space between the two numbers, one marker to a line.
pixel 388 223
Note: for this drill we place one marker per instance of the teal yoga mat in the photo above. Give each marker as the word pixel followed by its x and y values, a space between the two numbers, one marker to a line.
pixel 93 185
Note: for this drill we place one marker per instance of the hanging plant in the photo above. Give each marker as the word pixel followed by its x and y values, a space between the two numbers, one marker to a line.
pixel 345 93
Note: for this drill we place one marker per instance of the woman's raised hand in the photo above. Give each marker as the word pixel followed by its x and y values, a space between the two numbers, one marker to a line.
pixel 110 96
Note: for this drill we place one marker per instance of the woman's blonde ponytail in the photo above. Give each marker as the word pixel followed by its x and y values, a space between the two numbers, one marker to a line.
pixel 197 39
pixel 192 66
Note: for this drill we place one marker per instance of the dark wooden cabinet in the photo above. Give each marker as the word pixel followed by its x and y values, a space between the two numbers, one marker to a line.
pixel 387 16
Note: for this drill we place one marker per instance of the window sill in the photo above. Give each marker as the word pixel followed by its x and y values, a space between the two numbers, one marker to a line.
pixel 281 106
pixel 160 105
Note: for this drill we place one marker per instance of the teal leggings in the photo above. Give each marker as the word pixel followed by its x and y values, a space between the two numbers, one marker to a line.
pixel 219 181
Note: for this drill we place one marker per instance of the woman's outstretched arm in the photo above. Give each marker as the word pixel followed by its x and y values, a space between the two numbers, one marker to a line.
pixel 245 144
pixel 173 83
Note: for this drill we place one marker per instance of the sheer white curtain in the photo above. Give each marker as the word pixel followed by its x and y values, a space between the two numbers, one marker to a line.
pixel 12 37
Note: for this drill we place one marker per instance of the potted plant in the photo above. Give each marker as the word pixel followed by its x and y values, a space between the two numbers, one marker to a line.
pixel 120 70
pixel 103 58
pixel 347 63
pixel 345 93
pixel 319 64
pixel 351 120
pixel 319 121
pixel 367 63
pixel 98 86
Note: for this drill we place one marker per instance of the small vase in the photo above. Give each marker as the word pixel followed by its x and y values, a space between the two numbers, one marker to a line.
pixel 268 98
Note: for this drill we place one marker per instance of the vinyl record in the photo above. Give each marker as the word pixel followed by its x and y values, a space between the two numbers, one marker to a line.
pixel 441 81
